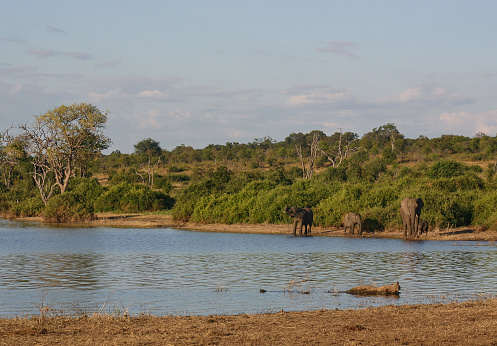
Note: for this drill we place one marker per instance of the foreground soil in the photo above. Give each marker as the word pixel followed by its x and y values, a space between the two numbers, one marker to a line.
pixel 469 323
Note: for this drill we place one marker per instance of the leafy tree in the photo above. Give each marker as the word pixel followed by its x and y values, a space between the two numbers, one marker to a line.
pixel 148 147
pixel 61 141
pixel 382 136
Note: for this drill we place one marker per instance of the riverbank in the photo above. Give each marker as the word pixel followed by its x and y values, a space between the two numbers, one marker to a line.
pixel 468 323
pixel 166 221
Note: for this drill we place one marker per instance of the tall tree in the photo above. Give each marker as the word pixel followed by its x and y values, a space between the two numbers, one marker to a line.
pixel 149 148
pixel 63 140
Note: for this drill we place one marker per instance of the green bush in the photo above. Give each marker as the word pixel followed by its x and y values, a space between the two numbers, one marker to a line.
pixel 31 206
pixel 446 169
pixel 132 198
pixel 69 206
pixel 88 188
pixel 162 183
pixel 485 212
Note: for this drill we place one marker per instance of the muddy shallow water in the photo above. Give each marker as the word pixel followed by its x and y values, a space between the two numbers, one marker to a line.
pixel 167 271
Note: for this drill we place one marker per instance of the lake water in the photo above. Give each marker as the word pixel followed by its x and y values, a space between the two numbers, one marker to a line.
pixel 167 271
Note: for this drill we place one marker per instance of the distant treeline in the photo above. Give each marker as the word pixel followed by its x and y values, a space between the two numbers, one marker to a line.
pixel 66 177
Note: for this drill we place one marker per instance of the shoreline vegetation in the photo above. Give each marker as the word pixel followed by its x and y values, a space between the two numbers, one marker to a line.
pixel 160 220
pixel 469 323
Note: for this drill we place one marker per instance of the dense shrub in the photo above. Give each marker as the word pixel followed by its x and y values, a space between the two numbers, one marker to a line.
pixel 485 211
pixel 30 206
pixel 88 188
pixel 69 206
pixel 445 169
pixel 132 198
pixel 162 183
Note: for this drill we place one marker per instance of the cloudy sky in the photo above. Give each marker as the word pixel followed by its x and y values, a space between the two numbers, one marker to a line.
pixel 202 72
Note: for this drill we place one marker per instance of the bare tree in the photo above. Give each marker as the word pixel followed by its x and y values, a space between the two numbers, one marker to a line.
pixel 308 163
pixel 344 148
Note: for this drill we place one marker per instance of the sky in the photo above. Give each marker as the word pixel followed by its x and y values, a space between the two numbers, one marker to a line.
pixel 210 72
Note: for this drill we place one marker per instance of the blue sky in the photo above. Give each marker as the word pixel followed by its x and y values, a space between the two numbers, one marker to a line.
pixel 211 72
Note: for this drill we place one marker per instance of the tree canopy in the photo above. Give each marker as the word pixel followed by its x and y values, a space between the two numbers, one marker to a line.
pixel 61 141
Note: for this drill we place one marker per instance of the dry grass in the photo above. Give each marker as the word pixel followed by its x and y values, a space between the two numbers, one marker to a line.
pixel 469 323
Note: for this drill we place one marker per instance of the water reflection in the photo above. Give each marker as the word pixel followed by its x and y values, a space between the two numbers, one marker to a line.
pixel 76 271
pixel 165 271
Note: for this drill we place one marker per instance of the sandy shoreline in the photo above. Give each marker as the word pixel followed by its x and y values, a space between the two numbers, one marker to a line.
pixel 166 221
pixel 468 323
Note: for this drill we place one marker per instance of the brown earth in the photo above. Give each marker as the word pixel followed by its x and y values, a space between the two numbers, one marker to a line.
pixel 468 323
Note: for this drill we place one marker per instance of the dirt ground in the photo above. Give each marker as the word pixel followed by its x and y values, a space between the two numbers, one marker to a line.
pixel 467 323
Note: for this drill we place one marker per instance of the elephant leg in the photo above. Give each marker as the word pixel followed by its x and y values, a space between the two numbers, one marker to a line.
pixel 409 227
pixel 301 225
pixel 416 225
pixel 295 222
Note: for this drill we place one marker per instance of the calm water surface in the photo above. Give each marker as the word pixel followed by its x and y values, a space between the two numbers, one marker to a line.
pixel 167 271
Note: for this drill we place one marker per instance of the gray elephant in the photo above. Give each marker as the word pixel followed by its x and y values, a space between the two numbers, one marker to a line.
pixel 410 211
pixel 423 227
pixel 350 220
pixel 302 216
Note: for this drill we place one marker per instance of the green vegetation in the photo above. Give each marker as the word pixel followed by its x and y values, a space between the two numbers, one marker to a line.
pixel 68 178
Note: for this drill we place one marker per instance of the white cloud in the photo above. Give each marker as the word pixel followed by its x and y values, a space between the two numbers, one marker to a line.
pixel 16 89
pixel 155 119
pixel 150 93
pixel 109 94
pixel 316 95
pixel 461 122
pixel 425 95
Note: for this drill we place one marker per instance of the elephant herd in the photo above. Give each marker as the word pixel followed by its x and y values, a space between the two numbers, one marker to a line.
pixel 410 211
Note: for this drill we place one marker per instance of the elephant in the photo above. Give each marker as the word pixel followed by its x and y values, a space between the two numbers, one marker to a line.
pixel 350 220
pixel 302 216
pixel 423 227
pixel 410 211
